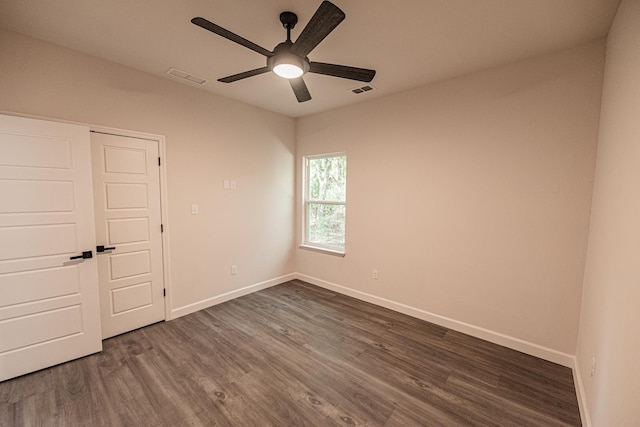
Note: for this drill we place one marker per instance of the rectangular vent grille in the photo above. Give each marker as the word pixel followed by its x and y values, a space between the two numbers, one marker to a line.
pixel 186 76
pixel 362 89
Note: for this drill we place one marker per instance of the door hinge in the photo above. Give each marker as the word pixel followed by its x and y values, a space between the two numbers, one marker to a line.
pixel 164 292
pixel 162 228
pixel 158 161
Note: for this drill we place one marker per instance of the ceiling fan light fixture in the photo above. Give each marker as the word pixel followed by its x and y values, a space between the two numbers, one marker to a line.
pixel 288 71
pixel 289 66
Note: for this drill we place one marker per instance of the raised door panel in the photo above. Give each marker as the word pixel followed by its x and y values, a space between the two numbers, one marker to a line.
pixel 31 150
pixel 38 240
pixel 26 286
pixel 22 196
pixel 124 160
pixel 126 196
pixel 131 297
pixel 127 230
pixel 129 264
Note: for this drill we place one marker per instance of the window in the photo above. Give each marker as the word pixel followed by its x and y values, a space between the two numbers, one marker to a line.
pixel 325 202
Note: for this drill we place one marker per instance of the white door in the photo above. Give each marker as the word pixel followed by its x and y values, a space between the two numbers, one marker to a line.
pixel 126 185
pixel 48 302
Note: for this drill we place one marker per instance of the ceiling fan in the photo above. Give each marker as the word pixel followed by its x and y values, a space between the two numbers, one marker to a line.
pixel 289 59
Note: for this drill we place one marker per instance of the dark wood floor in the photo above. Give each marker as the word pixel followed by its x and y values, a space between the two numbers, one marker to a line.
pixel 294 355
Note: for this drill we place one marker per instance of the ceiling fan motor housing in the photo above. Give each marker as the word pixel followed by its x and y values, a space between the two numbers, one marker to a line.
pixel 282 54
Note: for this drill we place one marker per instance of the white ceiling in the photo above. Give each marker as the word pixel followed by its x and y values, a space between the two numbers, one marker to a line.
pixel 410 42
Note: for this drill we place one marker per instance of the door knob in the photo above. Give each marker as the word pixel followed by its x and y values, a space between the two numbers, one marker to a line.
pixel 85 255
pixel 101 248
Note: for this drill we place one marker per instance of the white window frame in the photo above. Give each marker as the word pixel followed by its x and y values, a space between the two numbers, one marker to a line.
pixel 306 200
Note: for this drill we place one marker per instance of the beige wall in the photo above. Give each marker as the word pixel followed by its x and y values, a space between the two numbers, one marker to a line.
pixel 208 139
pixel 610 321
pixel 471 197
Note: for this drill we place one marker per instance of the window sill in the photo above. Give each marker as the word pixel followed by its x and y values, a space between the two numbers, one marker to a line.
pixel 322 250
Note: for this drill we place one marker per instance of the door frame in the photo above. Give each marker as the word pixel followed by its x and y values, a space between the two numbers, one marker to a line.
pixel 164 212
pixel 164 209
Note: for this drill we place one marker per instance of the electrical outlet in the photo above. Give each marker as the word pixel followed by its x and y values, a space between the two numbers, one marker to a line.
pixel 234 269
pixel 233 185
pixel 593 366
pixel 195 210
pixel 374 275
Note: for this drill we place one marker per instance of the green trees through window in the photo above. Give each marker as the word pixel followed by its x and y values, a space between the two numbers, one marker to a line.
pixel 325 200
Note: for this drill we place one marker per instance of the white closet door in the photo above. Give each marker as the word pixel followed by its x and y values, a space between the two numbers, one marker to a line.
pixel 49 309
pixel 126 186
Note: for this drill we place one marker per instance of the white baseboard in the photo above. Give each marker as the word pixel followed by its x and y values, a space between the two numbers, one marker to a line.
pixel 536 350
pixel 227 296
pixel 580 393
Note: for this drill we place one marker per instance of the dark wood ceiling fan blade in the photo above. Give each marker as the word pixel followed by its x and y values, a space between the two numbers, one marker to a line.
pixel 342 71
pixel 216 29
pixel 300 89
pixel 244 75
pixel 325 20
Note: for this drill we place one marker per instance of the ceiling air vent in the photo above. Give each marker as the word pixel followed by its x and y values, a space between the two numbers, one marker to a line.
pixel 362 89
pixel 186 76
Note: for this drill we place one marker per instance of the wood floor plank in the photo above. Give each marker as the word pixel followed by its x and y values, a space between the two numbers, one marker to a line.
pixel 295 354
pixel 500 410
